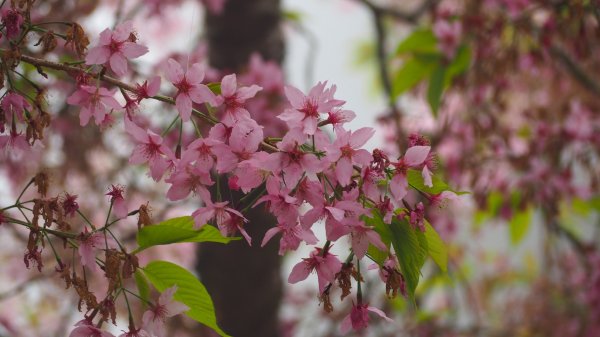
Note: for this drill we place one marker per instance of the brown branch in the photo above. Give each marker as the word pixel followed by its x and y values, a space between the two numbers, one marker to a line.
pixel 113 81
pixel 107 79
pixel 379 13
pixel 409 17
pixel 575 70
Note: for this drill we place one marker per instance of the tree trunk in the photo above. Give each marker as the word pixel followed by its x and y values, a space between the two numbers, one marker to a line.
pixel 244 282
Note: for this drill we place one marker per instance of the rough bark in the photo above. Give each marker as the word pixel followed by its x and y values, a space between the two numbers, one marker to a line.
pixel 244 282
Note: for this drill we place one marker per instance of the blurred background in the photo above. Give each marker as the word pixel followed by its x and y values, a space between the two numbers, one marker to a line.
pixel 507 92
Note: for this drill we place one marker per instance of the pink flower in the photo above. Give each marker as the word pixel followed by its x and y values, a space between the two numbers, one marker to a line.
pixel 188 179
pixel 234 224
pixel 360 238
pixel 189 87
pixel 326 267
pixel 116 47
pixel 234 98
pixel 154 318
pixel 14 142
pixel 416 217
pixel 150 149
pixel 244 140
pixel 147 89
pixel 118 201
pixel 291 161
pixel 291 236
pixel 88 243
pixel 279 202
pixel 216 211
pixel 12 20
pixel 214 6
pixel 136 333
pixel 306 110
pixel 69 204
pixel 200 152
pixel 346 152
pixel 94 101
pixel 448 35
pixel 14 104
pixel 414 157
pixel 87 329
pixel 338 117
pixel 358 318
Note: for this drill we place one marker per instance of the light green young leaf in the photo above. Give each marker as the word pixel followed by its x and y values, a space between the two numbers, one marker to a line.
pixel 411 249
pixel 421 41
pixel 413 71
pixel 436 247
pixel 178 230
pixel 190 291
pixel 142 285
pixel 436 88
pixel 519 224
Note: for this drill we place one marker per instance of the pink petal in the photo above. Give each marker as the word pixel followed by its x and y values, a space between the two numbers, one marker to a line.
pixel 97 55
pixel 269 235
pixel 427 175
pixel 195 73
pixel 118 64
pixel 133 50
pixel 184 106
pixel 379 313
pixel 245 93
pixel 346 325
pixel 343 171
pixel 361 136
pixel 295 96
pixel 299 272
pixel 123 30
pixel 228 85
pixel 174 71
pixel 416 155
pixel 202 93
pixel 134 130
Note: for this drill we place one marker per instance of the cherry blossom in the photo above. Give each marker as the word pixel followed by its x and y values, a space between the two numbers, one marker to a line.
pixel 94 101
pixel 150 150
pixel 291 236
pixel 189 87
pixel 14 104
pixel 346 152
pixel 86 329
pixel 233 99
pixel 88 244
pixel 118 201
pixel 115 47
pixel 155 317
pixel 358 318
pixel 306 110
pixel 12 20
pixel 325 264
pixel 216 211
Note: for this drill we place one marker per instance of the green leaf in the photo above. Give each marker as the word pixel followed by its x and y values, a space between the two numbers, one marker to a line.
pixel 215 87
pixel 415 179
pixel 494 201
pixel 413 71
pixel 519 224
pixel 190 291
pixel 436 247
pixel 421 41
pixel 178 230
pixel 142 285
pixel 384 232
pixel 411 249
pixel 436 88
pixel 459 65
